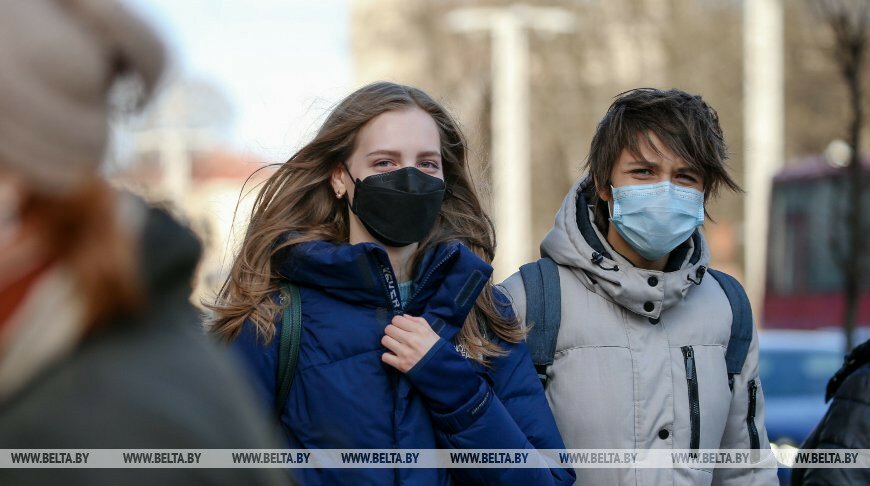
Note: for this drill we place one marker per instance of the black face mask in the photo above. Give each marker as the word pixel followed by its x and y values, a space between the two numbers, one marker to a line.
pixel 398 207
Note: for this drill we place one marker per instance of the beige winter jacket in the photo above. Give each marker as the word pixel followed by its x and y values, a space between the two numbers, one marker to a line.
pixel 628 335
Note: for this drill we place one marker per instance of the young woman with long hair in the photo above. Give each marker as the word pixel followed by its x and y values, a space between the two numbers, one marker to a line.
pixel 404 343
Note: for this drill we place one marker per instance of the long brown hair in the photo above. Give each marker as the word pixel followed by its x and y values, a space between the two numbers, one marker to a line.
pixel 298 200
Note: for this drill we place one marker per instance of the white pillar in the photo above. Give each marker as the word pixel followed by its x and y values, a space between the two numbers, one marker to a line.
pixel 177 167
pixel 511 148
pixel 511 155
pixel 763 132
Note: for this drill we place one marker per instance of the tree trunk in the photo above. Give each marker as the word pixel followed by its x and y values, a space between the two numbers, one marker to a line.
pixel 854 228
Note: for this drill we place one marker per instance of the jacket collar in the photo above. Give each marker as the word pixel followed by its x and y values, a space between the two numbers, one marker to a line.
pixel 575 242
pixel 445 286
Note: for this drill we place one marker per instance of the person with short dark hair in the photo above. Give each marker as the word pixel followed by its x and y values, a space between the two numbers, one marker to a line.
pixel 639 356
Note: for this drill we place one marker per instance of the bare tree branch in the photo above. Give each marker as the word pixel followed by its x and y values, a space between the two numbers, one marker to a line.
pixel 848 21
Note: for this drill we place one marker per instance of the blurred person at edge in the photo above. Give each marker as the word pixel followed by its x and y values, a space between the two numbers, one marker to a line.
pixel 846 425
pixel 640 353
pixel 99 346
pixel 404 341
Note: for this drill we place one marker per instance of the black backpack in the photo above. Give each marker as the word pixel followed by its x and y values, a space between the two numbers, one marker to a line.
pixel 544 316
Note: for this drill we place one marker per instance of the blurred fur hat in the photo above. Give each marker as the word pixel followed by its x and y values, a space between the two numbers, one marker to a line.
pixel 58 62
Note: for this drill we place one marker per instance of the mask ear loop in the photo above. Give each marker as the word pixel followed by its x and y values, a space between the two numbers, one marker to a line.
pixel 598 258
pixel 610 208
pixel 346 169
pixel 347 195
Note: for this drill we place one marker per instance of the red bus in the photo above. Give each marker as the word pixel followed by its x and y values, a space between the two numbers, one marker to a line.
pixel 805 283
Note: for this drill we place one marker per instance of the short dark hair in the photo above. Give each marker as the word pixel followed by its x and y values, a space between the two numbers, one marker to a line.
pixel 684 123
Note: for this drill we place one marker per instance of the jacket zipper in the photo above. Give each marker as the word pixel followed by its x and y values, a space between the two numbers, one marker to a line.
pixel 390 283
pixel 750 416
pixel 694 403
pixel 391 291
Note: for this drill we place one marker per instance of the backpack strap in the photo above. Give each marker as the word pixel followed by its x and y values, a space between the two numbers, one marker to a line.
pixel 288 348
pixel 741 323
pixel 543 312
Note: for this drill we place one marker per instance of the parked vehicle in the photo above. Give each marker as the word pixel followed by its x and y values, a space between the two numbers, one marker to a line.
pixel 795 367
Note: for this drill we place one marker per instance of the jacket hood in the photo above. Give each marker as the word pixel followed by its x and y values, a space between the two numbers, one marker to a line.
pixel 575 242
pixel 445 286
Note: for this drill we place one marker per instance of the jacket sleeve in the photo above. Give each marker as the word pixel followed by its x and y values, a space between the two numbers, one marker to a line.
pixel 741 431
pixel 503 409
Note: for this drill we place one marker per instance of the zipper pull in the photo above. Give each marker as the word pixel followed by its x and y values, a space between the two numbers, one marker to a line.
pixel 690 364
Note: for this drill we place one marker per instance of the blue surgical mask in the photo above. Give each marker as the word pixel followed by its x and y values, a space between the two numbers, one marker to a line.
pixel 656 218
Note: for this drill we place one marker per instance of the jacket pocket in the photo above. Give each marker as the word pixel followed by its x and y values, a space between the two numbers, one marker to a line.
pixel 750 421
pixel 694 402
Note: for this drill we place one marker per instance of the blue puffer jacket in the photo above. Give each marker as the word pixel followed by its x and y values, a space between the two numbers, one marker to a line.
pixel 344 397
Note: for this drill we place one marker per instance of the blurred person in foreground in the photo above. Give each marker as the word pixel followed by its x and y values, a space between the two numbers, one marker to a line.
pixel 846 425
pixel 638 358
pixel 99 346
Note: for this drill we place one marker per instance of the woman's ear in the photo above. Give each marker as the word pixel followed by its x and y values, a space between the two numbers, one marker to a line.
pixel 337 181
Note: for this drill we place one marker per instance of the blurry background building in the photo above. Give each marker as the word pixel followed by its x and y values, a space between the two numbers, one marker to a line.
pixel 250 84
pixel 176 155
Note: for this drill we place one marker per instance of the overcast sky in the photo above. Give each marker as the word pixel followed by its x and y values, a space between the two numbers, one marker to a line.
pixel 281 63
